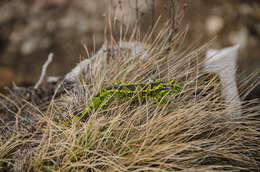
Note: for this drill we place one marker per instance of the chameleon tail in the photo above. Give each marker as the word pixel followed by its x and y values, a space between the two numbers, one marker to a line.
pixel 82 114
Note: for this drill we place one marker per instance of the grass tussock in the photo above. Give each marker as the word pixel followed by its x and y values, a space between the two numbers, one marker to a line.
pixel 192 133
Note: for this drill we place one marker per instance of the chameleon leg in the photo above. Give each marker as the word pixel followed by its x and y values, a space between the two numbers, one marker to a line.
pixel 82 114
pixel 96 104
pixel 160 100
pixel 103 104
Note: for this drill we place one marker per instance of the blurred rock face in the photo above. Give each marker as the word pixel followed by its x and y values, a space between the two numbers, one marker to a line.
pixel 6 76
pixel 128 11
pixel 30 30
pixel 230 22
pixel 34 28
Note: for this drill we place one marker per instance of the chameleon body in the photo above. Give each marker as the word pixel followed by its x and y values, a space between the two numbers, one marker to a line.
pixel 136 92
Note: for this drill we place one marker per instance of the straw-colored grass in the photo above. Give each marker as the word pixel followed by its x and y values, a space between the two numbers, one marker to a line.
pixel 192 133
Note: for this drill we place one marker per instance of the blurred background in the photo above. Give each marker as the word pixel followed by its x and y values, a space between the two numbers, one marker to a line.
pixel 31 29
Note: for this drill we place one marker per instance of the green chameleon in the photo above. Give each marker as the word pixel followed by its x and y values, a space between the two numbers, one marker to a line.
pixel 136 92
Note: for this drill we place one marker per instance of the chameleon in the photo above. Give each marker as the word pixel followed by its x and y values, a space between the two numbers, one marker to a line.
pixel 157 90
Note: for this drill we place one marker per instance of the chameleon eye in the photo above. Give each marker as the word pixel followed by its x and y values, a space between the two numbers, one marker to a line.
pixel 171 81
pixel 117 83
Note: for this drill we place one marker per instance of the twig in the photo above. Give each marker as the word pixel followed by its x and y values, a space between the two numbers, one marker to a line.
pixel 172 13
pixel 44 68
pixel 137 10
pixel 153 12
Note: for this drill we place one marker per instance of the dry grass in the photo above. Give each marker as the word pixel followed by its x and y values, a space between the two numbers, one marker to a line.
pixel 192 133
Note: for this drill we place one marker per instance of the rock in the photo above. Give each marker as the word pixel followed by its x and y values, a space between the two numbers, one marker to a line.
pixel 239 37
pixel 214 24
pixel 7 76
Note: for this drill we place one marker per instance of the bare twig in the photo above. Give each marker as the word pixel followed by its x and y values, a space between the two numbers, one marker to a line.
pixel 172 13
pixel 44 68
pixel 153 12
pixel 137 10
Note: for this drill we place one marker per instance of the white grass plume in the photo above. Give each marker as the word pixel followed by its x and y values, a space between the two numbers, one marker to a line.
pixel 223 63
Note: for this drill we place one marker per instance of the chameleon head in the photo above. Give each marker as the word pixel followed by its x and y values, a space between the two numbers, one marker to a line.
pixel 175 88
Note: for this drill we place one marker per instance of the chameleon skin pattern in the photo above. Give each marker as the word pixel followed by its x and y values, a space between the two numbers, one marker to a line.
pixel 156 90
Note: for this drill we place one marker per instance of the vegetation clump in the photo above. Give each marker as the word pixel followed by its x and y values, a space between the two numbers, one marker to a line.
pixel 191 133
